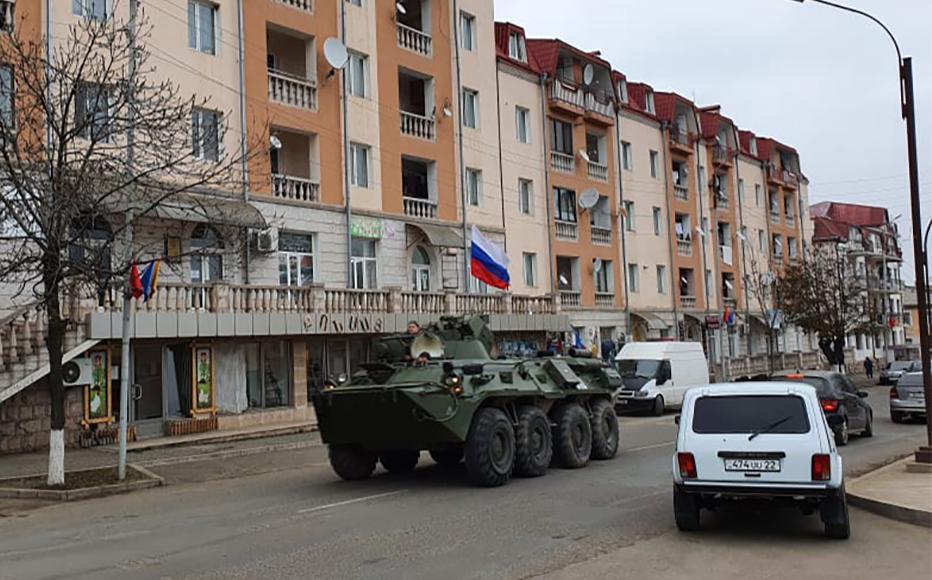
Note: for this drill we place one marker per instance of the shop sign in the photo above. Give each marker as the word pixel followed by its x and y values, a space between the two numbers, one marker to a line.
pixel 203 381
pixel 713 322
pixel 366 227
pixel 350 323
pixel 97 397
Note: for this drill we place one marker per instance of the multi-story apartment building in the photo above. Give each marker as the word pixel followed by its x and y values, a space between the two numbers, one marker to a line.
pixel 868 241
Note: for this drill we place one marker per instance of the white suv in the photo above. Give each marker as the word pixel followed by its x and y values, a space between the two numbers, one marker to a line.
pixel 770 440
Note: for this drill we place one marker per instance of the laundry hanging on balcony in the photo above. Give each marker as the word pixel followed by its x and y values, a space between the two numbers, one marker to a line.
pixel 488 262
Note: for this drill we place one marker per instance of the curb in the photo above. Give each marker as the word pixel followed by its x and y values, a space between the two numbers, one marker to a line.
pixel 230 453
pixel 86 492
pixel 896 512
pixel 220 437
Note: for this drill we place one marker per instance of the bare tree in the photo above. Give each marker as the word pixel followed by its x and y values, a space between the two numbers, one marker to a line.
pixel 759 284
pixel 92 139
pixel 823 294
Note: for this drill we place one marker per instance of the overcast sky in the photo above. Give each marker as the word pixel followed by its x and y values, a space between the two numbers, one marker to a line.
pixel 813 77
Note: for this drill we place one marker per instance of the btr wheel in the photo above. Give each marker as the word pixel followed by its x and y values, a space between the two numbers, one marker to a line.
pixel 490 448
pixel 658 407
pixel 604 424
pixel 399 461
pixel 685 510
pixel 533 443
pixel 447 456
pixel 351 462
pixel 572 436
pixel 842 435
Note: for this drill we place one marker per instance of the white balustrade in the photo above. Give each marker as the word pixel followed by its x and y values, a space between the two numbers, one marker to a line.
pixel 418 126
pixel 597 171
pixel 303 5
pixel 601 236
pixel 562 162
pixel 566 230
pixel 414 40
pixel 570 298
pixel 681 192
pixel 420 208
pixel 292 90
pixel 295 188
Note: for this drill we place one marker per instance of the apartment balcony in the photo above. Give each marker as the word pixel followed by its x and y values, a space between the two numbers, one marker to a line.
pixel 726 255
pixel 680 141
pixel 778 256
pixel 292 90
pixel 684 248
pixel 300 189
pixel 790 220
pixel 570 298
pixel 414 40
pixel 681 192
pixel 420 208
pixel 562 162
pixel 722 155
pixel 600 105
pixel 601 236
pixel 774 176
pixel 418 126
pixel 567 96
pixel 302 5
pixel 597 171
pixel 790 179
pixel 564 230
pixel 721 200
pixel 775 217
pixel 730 301
pixel 605 299
pixel 687 301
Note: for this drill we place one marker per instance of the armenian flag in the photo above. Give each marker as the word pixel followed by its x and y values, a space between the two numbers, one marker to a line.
pixel 145 284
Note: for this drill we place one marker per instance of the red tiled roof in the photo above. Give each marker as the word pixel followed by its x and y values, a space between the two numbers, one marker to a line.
pixel 665 103
pixel 826 229
pixel 502 31
pixel 637 98
pixel 546 52
pixel 709 122
pixel 850 214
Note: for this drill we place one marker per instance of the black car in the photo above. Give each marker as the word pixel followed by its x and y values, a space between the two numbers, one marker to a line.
pixel 838 396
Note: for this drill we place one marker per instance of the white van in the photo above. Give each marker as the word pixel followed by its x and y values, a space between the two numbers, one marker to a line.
pixel 656 375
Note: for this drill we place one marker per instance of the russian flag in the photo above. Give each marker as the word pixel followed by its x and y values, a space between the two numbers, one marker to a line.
pixel 488 262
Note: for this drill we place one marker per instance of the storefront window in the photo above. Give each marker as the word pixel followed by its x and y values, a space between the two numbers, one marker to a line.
pixel 295 259
pixel 363 262
pixel 268 374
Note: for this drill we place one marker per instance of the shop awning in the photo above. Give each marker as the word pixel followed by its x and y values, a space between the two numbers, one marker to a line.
pixel 441 236
pixel 198 208
pixel 653 321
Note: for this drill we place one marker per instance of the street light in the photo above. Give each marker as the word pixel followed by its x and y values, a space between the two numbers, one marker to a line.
pixel 907 105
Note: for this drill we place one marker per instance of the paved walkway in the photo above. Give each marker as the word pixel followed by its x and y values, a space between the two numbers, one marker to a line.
pixel 895 491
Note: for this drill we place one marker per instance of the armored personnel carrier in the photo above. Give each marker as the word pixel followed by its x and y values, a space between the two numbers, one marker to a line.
pixel 442 392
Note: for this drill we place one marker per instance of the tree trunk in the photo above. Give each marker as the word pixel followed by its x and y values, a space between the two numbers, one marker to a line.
pixel 54 346
pixel 839 347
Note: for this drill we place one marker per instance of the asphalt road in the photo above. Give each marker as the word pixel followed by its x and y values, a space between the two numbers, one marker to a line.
pixel 286 515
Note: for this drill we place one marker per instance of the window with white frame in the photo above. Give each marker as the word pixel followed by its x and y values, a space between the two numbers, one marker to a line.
pixel 363 263
pixel 471 108
pixel 360 164
pixel 357 75
pixel 623 90
pixel 523 124
pixel 654 164
pixel 420 270
pixel 295 259
pixel 91 9
pixel 206 255
pixel 753 146
pixel 629 215
pixel 354 2
pixel 529 259
pixel 634 282
pixel 661 279
pixel 92 111
pixel 761 241
pixel 708 282
pixel 205 134
pixel 604 283
pixel 741 192
pixel 658 221
pixel 202 25
pixel 516 48
pixel 649 103
pixel 757 194
pixel 627 162
pixel 7 15
pixel 467 31
pixel 564 204
pixel 473 186
pixel 526 196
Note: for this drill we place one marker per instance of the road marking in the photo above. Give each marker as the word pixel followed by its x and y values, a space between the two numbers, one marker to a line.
pixel 646 447
pixel 350 501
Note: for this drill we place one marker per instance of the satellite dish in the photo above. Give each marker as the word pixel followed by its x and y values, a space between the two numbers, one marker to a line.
pixel 583 155
pixel 447 112
pixel 400 8
pixel 588 74
pixel 275 142
pixel 427 342
pixel 597 264
pixel 335 53
pixel 588 198
pixel 563 280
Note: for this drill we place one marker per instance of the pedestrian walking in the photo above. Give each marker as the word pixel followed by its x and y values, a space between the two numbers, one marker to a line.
pixel 869 367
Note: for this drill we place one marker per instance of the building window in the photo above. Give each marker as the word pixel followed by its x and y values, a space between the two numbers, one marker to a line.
pixel 363 263
pixel 626 160
pixel 757 194
pixel 523 124
pixel 6 99
pixel 565 204
pixel 91 9
pixel 741 191
pixel 268 374
pixel 357 77
pixel 753 146
pixel 630 219
pixel 530 269
pixel 649 103
pixel 468 31
pixel 516 48
pixel 561 137
pixel 202 19
pixel 526 196
pixel 761 241
pixel 907 318
pixel 354 2
pixel 360 164
pixel 658 221
pixel 604 284
pixel 471 108
pixel 295 259
pixel 206 261
pixel 92 111
pixel 654 164
pixel 8 15
pixel 708 282
pixel 702 182
pixel 623 90
pixel 474 186
pixel 205 134
pixel 661 279
pixel 633 281
pixel 420 270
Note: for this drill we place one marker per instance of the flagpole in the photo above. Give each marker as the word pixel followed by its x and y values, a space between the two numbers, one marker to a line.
pixel 124 381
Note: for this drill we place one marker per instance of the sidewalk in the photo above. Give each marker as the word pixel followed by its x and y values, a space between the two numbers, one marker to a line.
pixel 901 490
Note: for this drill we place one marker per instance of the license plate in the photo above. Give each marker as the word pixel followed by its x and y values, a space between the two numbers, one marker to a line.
pixel 621 402
pixel 918 396
pixel 752 465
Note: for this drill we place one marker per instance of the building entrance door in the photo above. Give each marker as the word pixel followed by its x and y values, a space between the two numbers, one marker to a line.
pixel 148 404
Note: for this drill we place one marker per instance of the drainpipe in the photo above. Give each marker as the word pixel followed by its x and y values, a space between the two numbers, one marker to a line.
pixel 243 141
pixel 347 196
pixel 545 138
pixel 501 171
pixel 674 272
pixel 459 144
pixel 621 201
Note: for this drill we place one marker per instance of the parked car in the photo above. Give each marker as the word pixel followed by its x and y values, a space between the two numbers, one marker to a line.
pixel 891 373
pixel 907 398
pixel 656 375
pixel 757 440
pixel 838 396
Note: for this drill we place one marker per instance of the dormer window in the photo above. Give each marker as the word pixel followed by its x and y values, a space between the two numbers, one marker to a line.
pixel 753 146
pixel 623 91
pixel 516 49
pixel 649 103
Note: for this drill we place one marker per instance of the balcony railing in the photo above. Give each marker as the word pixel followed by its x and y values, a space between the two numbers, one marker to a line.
pixel 420 208
pixel 604 299
pixel 303 5
pixel 566 230
pixel 292 90
pixel 601 236
pixel 295 188
pixel 790 220
pixel 721 155
pixel 790 179
pixel 562 162
pixel 594 104
pixel 721 200
pixel 571 95
pixel 725 253
pixel 418 126
pixel 688 301
pixel 570 298
pixel 414 40
pixel 681 192
pixel 597 171
pixel 684 247
pixel 774 217
pixel 679 137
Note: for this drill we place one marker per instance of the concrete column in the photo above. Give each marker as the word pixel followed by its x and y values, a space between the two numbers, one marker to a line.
pixel 394 300
pixel 449 303
pixel 299 373
pixel 555 300
pixel 318 298
pixel 507 303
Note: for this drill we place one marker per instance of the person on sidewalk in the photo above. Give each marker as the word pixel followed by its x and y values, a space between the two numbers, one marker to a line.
pixel 869 367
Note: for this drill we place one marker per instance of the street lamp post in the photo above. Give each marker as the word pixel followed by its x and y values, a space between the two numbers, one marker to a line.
pixel 907 104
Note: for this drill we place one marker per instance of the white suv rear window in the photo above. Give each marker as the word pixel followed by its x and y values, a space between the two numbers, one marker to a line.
pixel 749 413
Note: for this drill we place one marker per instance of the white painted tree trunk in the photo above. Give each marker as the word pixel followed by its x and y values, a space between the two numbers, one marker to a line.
pixel 56 457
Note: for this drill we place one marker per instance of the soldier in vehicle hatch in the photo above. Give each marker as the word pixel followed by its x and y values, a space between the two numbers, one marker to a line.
pixel 413 328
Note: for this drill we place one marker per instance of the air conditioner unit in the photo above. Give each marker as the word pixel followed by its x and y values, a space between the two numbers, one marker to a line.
pixel 267 240
pixel 77 372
